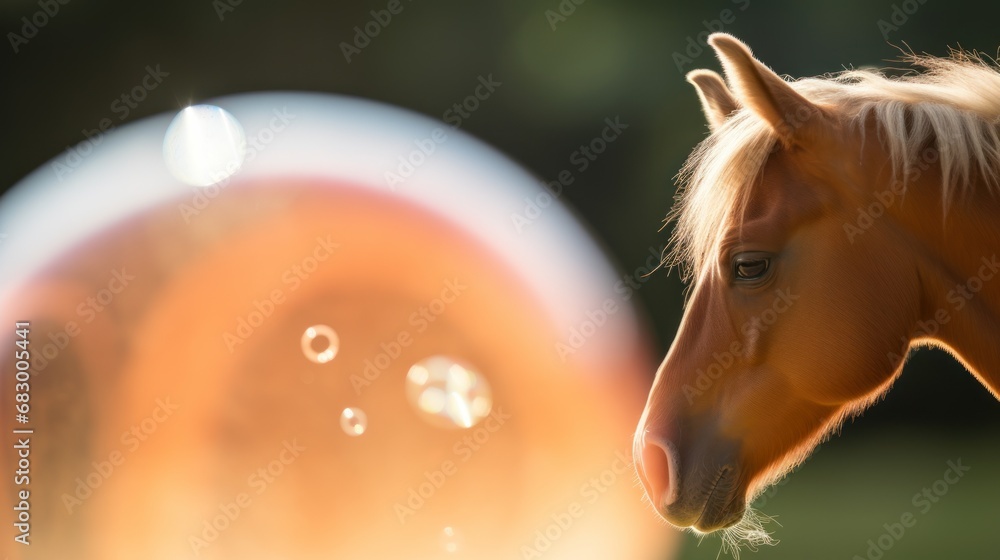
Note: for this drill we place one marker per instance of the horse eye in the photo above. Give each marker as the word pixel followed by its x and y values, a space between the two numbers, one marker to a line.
pixel 751 268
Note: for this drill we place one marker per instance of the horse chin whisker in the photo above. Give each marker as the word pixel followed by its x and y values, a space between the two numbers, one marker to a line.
pixel 748 533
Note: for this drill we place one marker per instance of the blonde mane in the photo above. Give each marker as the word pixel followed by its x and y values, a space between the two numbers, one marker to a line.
pixel 953 108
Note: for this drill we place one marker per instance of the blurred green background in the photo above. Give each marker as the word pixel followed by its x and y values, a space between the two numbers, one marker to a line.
pixel 561 77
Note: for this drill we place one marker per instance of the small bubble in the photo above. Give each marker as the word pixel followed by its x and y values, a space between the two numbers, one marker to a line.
pixel 354 421
pixel 451 540
pixel 448 393
pixel 320 343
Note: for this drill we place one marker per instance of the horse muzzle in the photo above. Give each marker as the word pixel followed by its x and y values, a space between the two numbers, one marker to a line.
pixel 700 490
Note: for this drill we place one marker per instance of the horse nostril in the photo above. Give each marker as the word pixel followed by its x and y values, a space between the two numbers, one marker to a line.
pixel 658 470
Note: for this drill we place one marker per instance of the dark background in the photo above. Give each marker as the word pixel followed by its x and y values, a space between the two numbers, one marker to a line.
pixel 606 59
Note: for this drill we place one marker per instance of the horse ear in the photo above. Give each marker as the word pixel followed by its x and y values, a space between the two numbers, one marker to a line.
pixel 763 91
pixel 716 101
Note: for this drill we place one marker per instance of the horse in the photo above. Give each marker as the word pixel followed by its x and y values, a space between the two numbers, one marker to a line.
pixel 825 226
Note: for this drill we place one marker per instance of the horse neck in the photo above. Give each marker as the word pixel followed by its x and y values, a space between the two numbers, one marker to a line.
pixel 958 258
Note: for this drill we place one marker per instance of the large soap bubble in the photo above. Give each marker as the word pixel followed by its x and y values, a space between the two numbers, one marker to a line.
pixel 221 371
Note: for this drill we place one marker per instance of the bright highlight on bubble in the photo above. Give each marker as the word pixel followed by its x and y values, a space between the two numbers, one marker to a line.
pixel 320 344
pixel 450 540
pixel 203 145
pixel 448 393
pixel 353 421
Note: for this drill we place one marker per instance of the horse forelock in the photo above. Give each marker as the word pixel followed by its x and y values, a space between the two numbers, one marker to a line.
pixel 714 188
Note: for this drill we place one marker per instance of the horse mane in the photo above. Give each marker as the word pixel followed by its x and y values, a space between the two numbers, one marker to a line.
pixel 953 107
